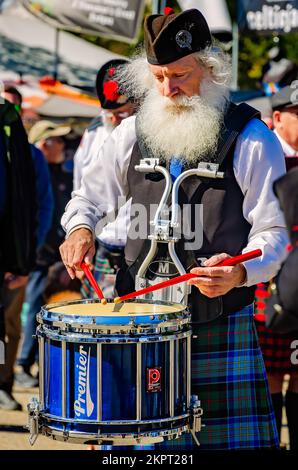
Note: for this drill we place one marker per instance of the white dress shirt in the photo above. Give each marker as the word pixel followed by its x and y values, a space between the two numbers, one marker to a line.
pixel 90 144
pixel 258 162
pixel 114 233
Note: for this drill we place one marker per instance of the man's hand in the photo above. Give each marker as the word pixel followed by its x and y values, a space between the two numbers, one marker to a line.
pixel 13 281
pixel 77 248
pixel 217 281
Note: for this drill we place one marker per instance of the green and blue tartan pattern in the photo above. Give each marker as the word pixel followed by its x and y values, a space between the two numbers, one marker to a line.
pixel 229 376
pixel 104 276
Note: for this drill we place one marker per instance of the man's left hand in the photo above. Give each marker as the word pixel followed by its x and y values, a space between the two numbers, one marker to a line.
pixel 215 281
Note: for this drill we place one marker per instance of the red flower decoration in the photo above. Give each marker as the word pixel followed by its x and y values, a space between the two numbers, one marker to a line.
pixel 110 90
pixel 169 11
pixel 111 72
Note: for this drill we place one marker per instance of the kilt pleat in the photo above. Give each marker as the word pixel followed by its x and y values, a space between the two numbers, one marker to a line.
pixel 104 276
pixel 229 376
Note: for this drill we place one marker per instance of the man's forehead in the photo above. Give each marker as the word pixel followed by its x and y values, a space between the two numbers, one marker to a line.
pixel 290 109
pixel 186 63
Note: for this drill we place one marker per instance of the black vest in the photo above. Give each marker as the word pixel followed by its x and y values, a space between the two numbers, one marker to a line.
pixel 225 230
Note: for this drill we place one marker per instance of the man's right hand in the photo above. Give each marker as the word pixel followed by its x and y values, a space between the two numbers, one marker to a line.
pixel 78 247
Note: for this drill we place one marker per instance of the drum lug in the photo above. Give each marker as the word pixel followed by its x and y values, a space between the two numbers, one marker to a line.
pixel 33 420
pixel 195 417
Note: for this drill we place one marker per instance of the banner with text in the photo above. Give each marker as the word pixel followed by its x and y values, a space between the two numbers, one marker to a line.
pixel 268 16
pixel 119 19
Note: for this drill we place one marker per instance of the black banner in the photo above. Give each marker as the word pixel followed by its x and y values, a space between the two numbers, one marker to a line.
pixel 268 16
pixel 119 19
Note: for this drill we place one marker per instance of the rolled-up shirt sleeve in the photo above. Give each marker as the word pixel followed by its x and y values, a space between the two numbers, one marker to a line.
pixel 258 162
pixel 104 183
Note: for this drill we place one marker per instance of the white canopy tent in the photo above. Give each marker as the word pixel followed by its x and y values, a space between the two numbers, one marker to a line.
pixel 27 47
pixel 216 13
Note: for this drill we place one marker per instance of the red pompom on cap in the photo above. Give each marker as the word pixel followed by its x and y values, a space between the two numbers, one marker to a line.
pixel 110 90
pixel 112 72
pixel 169 11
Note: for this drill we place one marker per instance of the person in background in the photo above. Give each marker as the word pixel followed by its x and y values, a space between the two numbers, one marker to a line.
pixel 18 227
pixel 14 298
pixel 285 123
pixel 115 107
pixel 48 138
pixel 276 347
pixel 282 307
pixel 44 191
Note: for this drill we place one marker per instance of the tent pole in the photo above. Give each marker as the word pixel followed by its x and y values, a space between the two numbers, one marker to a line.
pixel 235 57
pixel 56 63
pixel 158 6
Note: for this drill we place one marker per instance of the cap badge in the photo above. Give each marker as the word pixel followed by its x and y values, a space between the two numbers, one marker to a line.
pixel 184 39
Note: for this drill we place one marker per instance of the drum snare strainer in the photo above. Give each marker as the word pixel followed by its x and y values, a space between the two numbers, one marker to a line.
pixel 114 377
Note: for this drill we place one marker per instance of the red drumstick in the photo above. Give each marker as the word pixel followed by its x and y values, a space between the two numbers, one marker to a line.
pixel 93 282
pixel 185 277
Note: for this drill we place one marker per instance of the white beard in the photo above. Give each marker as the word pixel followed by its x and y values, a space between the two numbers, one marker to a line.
pixel 187 128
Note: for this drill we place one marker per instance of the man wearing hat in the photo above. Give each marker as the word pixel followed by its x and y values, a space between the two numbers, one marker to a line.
pixel 115 107
pixel 285 122
pixel 49 138
pixel 185 118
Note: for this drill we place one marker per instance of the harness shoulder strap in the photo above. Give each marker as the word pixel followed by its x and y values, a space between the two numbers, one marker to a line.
pixel 237 118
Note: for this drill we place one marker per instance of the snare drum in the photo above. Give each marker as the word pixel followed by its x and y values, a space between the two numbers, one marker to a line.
pixel 114 374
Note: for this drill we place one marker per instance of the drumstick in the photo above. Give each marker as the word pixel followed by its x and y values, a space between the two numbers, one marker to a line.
pixel 93 282
pixel 185 277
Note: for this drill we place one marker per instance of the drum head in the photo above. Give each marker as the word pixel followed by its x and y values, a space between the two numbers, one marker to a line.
pixel 93 312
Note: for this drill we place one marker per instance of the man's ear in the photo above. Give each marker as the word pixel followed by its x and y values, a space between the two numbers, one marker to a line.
pixel 276 118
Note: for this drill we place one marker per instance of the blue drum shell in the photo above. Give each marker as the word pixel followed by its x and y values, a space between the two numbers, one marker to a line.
pixel 90 379
pixel 118 378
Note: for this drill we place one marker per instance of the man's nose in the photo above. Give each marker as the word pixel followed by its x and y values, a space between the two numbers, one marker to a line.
pixel 169 88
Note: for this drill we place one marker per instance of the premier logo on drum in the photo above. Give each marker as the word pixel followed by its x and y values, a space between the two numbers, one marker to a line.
pixel 83 405
pixel 154 379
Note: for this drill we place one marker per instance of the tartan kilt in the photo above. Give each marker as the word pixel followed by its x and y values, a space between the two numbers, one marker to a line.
pixel 229 376
pixel 275 347
pixel 104 274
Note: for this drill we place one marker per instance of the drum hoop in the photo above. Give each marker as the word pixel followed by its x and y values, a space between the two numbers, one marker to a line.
pixel 121 438
pixel 113 422
pixel 155 337
pixel 133 324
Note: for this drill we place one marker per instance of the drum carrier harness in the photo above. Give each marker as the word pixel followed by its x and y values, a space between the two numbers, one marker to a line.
pixel 162 255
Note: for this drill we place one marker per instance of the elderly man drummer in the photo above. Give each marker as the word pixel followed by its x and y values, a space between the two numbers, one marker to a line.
pixel 183 118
